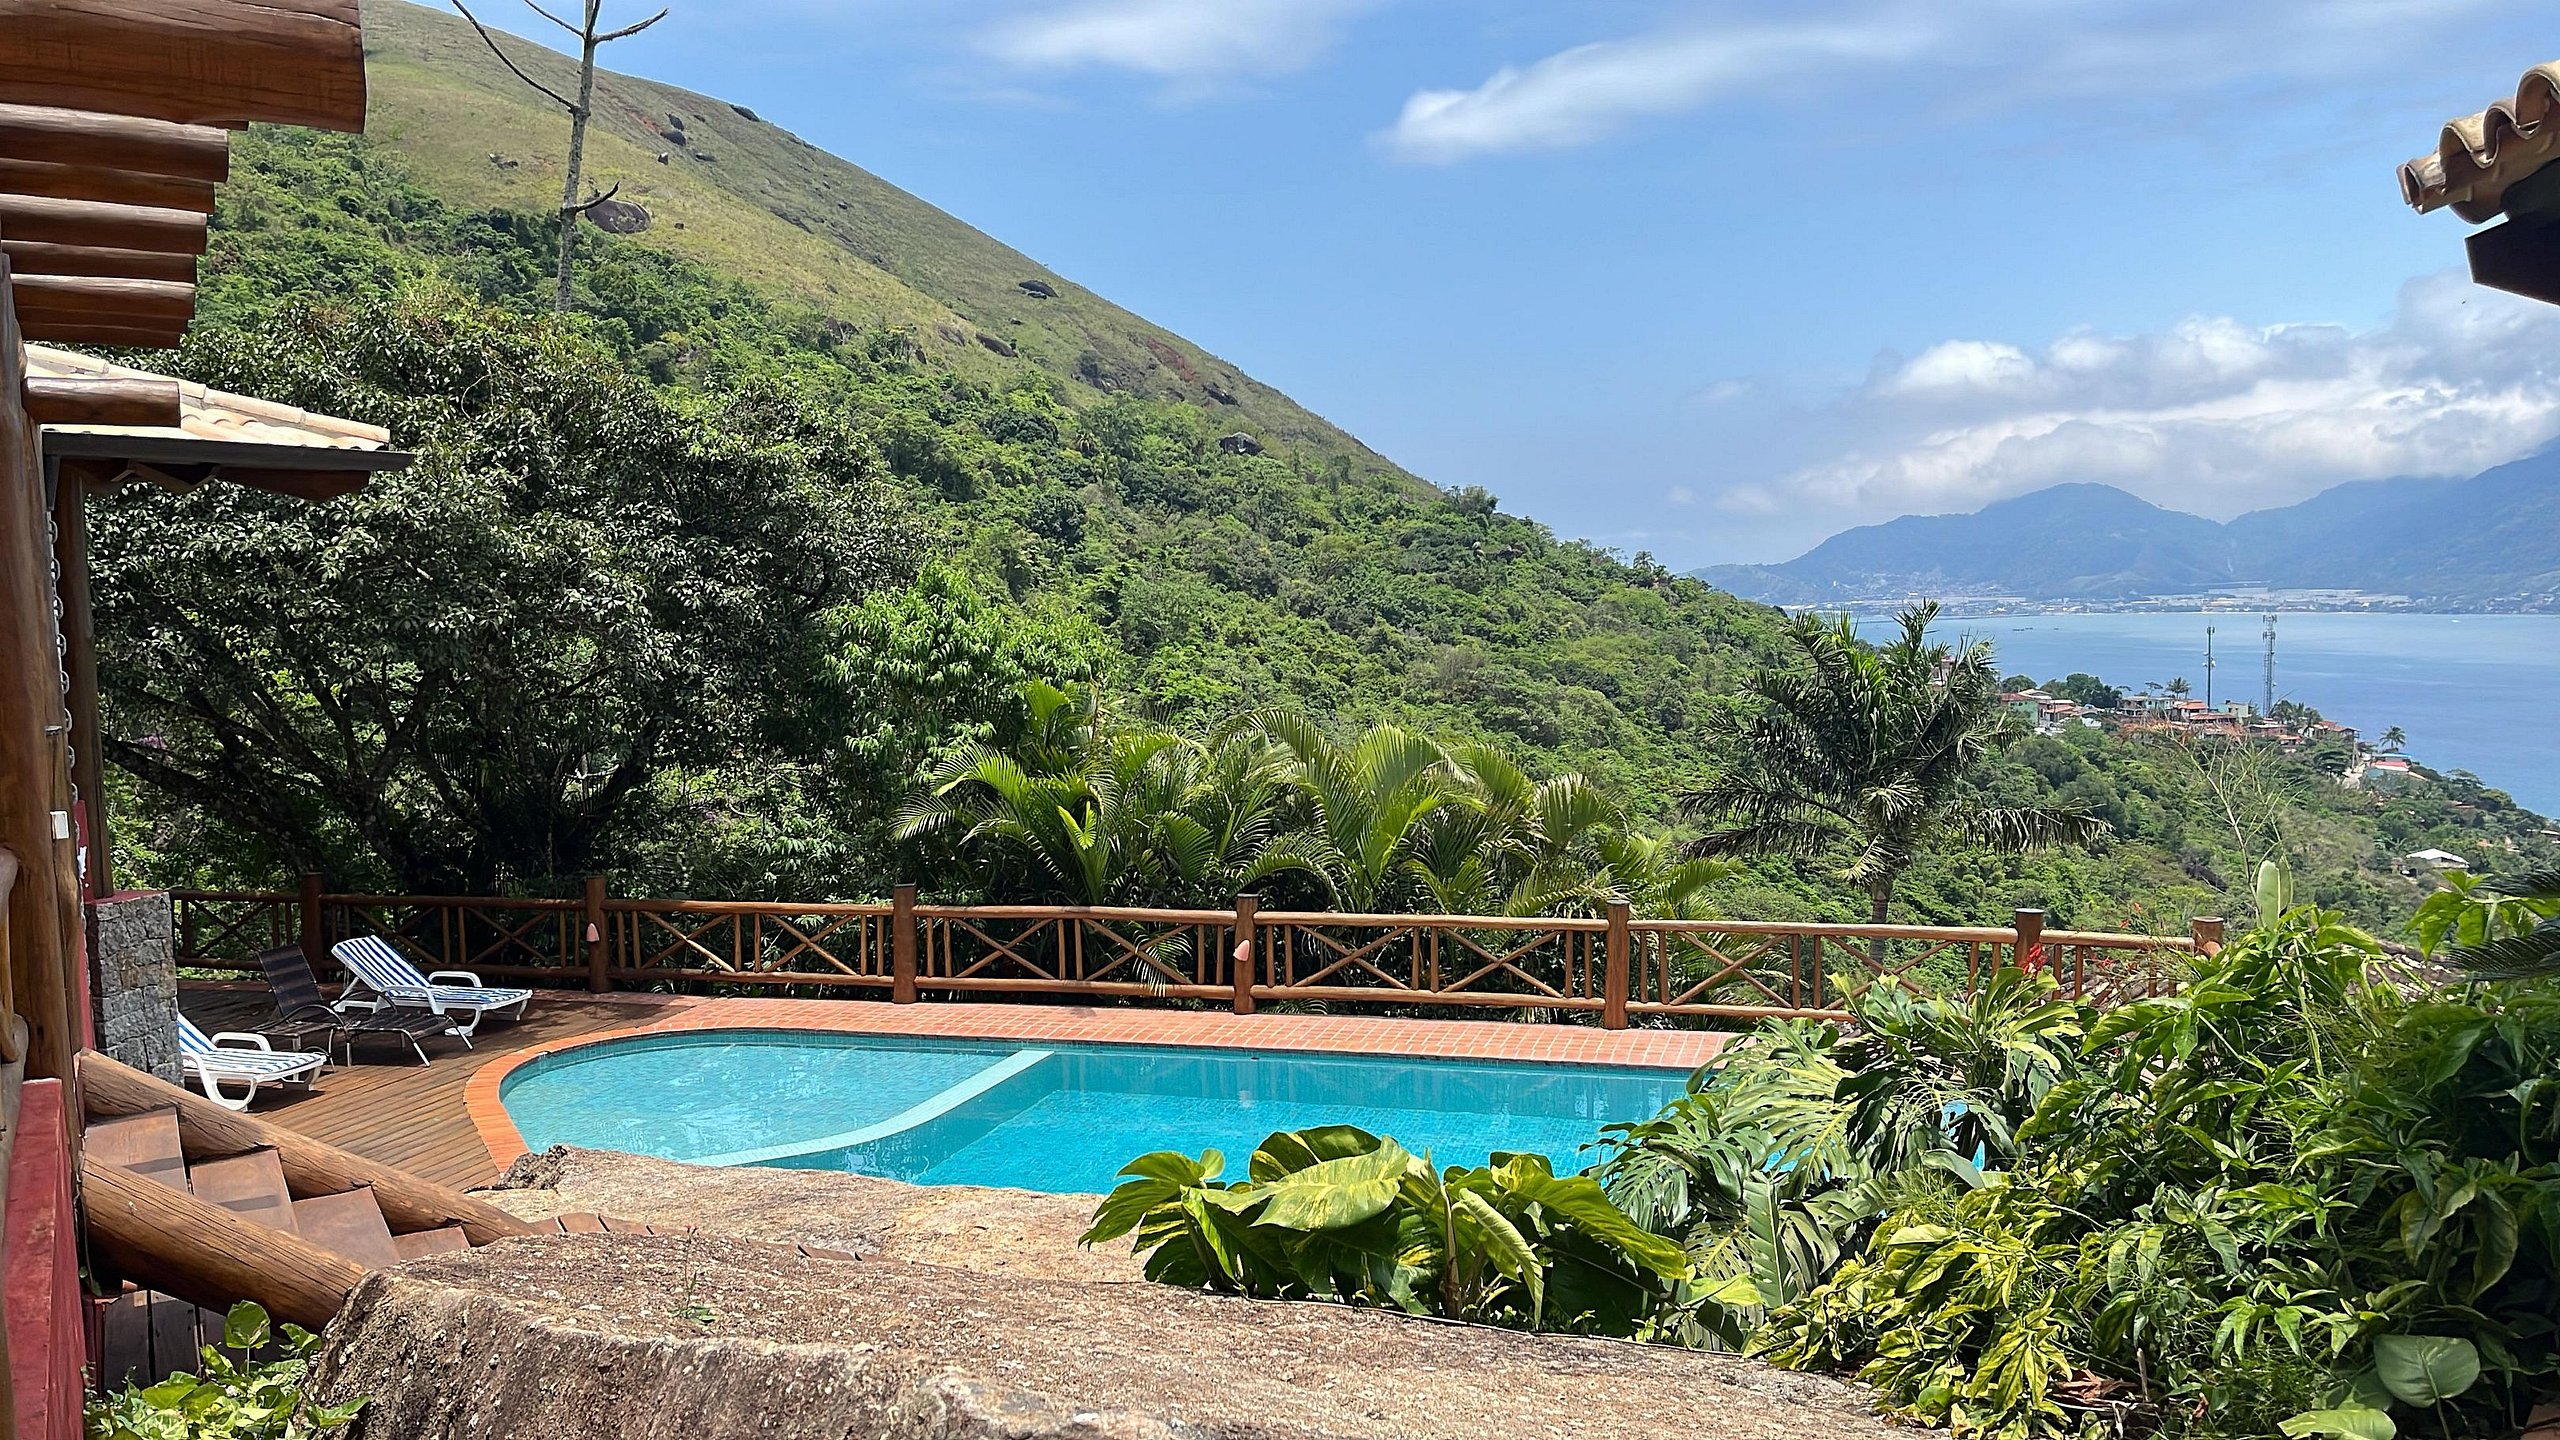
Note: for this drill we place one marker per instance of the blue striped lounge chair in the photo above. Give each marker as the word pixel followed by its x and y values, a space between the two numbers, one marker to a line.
pixel 379 975
pixel 236 1057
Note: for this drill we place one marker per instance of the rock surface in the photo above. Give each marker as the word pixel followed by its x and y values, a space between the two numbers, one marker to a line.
pixel 655 1338
pixel 1000 1232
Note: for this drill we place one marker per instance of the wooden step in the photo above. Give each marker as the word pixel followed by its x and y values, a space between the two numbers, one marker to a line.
pixel 250 1186
pixel 350 1224
pixel 431 1242
pixel 146 1144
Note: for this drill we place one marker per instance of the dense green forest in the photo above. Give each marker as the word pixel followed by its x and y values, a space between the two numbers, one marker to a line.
pixel 698 587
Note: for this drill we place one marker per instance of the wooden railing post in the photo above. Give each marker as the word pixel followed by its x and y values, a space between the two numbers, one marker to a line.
pixel 1246 951
pixel 315 939
pixel 2207 933
pixel 1613 980
pixel 902 945
pixel 597 979
pixel 2029 955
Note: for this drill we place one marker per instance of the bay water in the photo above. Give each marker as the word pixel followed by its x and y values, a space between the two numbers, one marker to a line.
pixel 2474 692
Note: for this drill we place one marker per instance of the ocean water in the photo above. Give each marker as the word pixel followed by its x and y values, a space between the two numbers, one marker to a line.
pixel 1059 1118
pixel 2474 692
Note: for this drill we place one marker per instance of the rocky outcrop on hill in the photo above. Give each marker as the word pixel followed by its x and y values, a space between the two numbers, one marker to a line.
pixel 659 1337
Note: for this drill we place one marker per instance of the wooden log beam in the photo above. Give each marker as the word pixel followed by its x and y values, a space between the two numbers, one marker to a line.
pixel 129 337
pixel 216 62
pixel 90 141
pixel 34 257
pixel 310 1167
pixel 168 1240
pixel 95 297
pixel 49 221
pixel 113 187
pixel 61 400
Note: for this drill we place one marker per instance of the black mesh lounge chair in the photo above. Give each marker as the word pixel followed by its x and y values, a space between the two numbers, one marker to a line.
pixel 298 1001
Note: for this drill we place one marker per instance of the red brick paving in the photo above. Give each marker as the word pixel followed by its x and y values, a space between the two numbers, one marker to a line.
pixel 1328 1034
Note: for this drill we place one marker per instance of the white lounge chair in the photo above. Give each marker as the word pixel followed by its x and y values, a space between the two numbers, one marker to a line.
pixel 237 1056
pixel 374 966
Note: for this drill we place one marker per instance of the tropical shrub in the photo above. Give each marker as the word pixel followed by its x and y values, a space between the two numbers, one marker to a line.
pixel 1336 1213
pixel 2290 1197
pixel 234 1399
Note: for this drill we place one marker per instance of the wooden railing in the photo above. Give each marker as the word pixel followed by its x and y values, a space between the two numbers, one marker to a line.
pixel 1613 966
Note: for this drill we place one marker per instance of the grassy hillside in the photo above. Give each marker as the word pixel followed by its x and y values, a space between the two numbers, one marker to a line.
pixel 750 200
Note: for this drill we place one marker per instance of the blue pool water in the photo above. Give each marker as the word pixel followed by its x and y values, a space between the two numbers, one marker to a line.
pixel 1060 1118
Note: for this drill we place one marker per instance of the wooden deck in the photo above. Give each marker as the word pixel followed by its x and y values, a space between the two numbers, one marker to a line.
pixel 392 1109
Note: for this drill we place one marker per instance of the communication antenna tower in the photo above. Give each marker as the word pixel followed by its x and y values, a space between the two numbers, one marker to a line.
pixel 2269 709
pixel 2208 667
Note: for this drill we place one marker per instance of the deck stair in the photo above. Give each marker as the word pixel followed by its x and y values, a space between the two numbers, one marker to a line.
pixel 173 1179
pixel 193 1205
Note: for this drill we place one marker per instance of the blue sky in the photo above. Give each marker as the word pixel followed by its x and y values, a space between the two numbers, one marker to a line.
pixel 1714 280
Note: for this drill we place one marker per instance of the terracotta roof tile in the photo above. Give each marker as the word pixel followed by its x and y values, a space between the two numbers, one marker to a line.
pixel 2479 156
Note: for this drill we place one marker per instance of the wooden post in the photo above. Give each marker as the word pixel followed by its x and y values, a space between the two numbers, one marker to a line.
pixel 315 940
pixel 2029 955
pixel 2207 933
pixel 597 980
pixel 35 783
pixel 1247 948
pixel 1613 980
pixel 902 945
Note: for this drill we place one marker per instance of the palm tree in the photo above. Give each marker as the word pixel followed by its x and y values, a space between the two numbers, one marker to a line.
pixel 1364 806
pixel 2394 738
pixel 2179 687
pixel 1106 812
pixel 2528 912
pixel 1861 753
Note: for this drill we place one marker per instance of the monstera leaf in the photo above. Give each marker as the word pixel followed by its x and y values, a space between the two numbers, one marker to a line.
pixel 2425 1369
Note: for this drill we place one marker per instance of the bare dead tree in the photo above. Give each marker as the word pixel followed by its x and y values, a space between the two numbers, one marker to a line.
pixel 571 207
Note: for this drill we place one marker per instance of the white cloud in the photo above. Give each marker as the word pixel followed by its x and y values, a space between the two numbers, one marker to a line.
pixel 1188 40
pixel 2210 415
pixel 1892 62
pixel 1586 92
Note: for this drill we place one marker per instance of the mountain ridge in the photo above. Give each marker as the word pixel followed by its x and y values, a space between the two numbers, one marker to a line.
pixel 2489 541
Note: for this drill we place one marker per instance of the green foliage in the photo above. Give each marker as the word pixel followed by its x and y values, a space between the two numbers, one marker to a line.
pixel 233 1399
pixel 2288 1196
pixel 1339 1214
pixel 2499 934
pixel 1864 752
pixel 1089 805
pixel 474 673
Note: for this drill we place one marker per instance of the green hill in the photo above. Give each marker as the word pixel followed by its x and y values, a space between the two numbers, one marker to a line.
pixel 750 200
pixel 1076 508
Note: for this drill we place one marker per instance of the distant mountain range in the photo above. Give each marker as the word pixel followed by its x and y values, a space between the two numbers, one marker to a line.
pixel 2489 542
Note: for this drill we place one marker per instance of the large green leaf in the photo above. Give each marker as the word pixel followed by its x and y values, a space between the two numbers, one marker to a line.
pixel 2351 1423
pixel 1334 1193
pixel 1485 1228
pixel 2425 1369
pixel 1580 1200
pixel 1287 1152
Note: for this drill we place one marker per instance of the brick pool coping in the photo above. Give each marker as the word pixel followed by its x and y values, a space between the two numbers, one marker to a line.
pixel 1312 1034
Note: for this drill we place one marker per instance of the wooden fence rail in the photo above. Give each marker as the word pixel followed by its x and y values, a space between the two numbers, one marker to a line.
pixel 1614 966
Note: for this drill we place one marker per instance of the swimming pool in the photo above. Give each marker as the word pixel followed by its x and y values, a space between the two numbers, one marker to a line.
pixel 1055 1117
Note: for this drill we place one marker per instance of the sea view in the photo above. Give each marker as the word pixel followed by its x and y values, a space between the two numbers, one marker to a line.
pixel 2474 692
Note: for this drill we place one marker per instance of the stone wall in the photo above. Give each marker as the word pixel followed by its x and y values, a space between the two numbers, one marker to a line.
pixel 132 944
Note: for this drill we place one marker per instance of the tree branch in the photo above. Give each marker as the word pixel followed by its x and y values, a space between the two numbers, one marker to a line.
pixel 492 42
pixel 630 30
